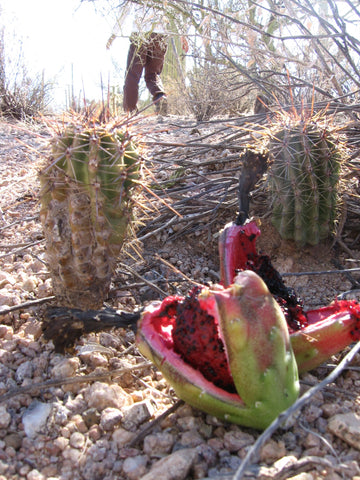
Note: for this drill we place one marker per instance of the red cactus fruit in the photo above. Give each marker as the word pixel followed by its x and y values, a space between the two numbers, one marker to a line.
pixel 224 350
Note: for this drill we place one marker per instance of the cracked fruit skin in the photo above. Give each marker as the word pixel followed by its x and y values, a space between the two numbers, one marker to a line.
pixel 250 326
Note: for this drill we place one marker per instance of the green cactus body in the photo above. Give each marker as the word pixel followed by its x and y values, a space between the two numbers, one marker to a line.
pixel 304 182
pixel 86 209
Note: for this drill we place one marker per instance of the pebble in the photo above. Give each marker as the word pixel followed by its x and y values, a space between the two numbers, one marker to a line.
pixel 110 417
pixel 5 417
pixel 137 414
pixel 102 395
pixel 135 467
pixel 158 443
pixel 122 437
pixel 237 439
pixel 66 367
pixel 347 427
pixel 35 417
pixel 173 467
pixel 77 440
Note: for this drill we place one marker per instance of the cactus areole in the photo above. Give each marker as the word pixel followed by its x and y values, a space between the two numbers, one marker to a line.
pixel 223 350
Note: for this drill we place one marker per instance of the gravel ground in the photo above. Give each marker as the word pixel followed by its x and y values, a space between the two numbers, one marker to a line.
pixel 87 414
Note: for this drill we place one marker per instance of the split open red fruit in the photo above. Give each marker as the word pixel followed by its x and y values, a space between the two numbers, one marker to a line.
pixel 224 349
pixel 234 350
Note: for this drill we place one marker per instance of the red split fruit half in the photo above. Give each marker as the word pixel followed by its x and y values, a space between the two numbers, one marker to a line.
pixel 234 350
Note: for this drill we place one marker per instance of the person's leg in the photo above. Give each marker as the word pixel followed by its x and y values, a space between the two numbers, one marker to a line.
pixel 154 64
pixel 135 63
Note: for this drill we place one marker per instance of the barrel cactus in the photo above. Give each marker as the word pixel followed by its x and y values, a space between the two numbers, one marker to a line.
pixel 87 199
pixel 304 178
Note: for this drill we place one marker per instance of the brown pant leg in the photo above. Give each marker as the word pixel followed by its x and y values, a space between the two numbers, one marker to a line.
pixel 155 57
pixel 136 61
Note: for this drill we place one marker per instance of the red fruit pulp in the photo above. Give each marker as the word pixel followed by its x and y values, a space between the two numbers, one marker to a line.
pixel 190 329
pixel 197 339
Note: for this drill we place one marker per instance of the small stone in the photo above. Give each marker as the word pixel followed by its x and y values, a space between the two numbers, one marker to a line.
pixel 347 427
pixel 94 359
pixel 35 475
pixel 122 437
pixel 77 440
pixel 95 433
pixel 30 284
pixel 135 467
pixel 109 418
pixel 6 331
pixel 137 414
pixel 72 454
pixel 13 440
pixel 102 395
pixel 67 367
pixel 272 451
pixel 173 467
pixel 91 417
pixel 61 443
pixel 61 413
pixel 35 417
pixel 79 423
pixel 25 370
pixel 5 417
pixel 312 413
pixel 6 278
pixel 236 440
pixel 191 438
pixel 158 443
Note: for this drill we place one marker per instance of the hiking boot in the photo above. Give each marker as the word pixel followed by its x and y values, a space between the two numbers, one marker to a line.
pixel 161 105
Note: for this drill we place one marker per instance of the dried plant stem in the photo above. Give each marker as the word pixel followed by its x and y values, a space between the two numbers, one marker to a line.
pixel 266 435
pixel 28 304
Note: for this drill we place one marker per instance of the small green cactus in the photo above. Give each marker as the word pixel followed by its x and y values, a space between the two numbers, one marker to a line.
pixel 304 179
pixel 87 200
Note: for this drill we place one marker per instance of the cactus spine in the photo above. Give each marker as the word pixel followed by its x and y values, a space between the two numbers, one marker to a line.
pixel 87 200
pixel 304 181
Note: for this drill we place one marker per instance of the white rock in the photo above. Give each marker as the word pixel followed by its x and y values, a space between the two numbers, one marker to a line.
pixel 6 298
pixel 35 475
pixel 6 278
pixel 101 395
pixel 67 367
pixel 135 467
pixel 35 417
pixel 77 440
pixel 173 467
pixel 30 284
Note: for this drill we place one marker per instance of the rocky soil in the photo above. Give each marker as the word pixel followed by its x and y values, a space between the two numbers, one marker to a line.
pixel 90 413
